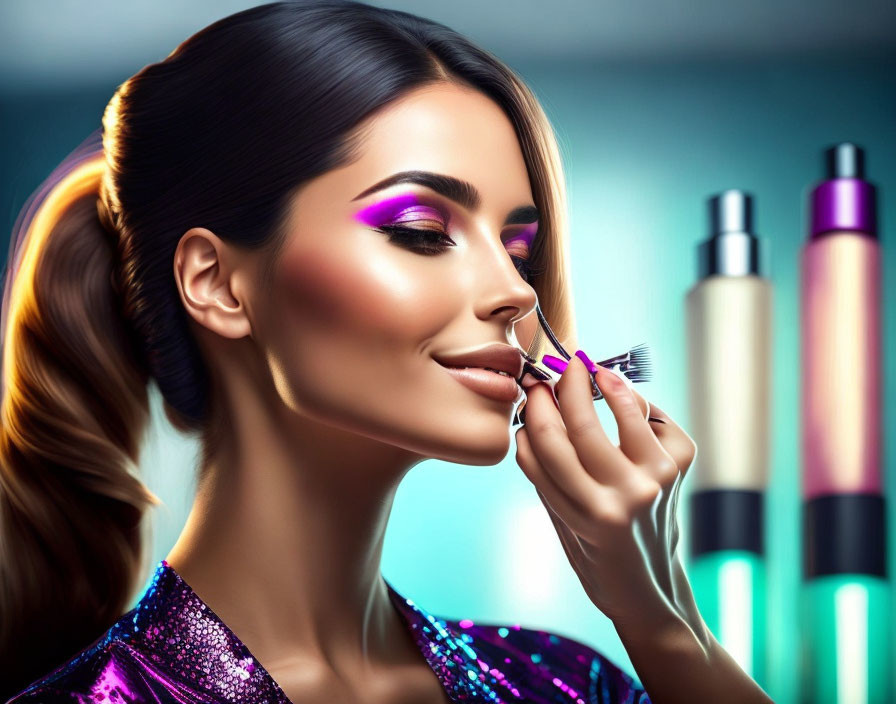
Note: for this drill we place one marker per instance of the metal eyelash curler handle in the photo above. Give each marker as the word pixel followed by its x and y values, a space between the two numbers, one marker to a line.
pixel 634 365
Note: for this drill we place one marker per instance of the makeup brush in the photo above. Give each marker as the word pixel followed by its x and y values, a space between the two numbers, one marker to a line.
pixel 545 359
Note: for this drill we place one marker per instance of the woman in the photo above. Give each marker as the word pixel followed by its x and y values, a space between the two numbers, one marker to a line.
pixel 241 241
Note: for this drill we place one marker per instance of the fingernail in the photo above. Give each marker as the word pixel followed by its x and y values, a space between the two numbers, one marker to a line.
pixel 528 380
pixel 592 367
pixel 554 363
pixel 609 376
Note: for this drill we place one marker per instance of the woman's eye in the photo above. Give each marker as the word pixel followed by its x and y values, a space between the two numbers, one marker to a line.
pixel 527 268
pixel 522 259
pixel 424 241
pixel 428 241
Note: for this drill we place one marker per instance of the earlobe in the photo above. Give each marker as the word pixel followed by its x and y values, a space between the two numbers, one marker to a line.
pixel 206 283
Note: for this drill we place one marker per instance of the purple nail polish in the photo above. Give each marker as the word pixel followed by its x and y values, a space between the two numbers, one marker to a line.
pixel 592 367
pixel 554 363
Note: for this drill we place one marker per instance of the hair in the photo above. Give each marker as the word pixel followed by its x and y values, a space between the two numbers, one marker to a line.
pixel 220 134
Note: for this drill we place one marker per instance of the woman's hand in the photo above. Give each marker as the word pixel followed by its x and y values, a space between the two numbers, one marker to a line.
pixel 613 506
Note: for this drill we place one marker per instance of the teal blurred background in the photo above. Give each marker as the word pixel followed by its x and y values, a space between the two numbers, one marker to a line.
pixel 656 108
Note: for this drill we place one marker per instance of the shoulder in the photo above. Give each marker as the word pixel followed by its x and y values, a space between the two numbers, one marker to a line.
pixel 99 673
pixel 109 670
pixel 545 662
pixel 63 683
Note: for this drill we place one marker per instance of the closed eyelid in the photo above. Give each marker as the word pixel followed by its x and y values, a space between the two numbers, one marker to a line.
pixel 410 207
pixel 524 215
pixel 524 234
pixel 388 208
pixel 417 213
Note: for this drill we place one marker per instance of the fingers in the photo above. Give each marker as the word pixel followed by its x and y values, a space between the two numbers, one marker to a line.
pixel 680 446
pixel 568 539
pixel 600 457
pixel 567 455
pixel 636 437
pixel 575 505
pixel 548 435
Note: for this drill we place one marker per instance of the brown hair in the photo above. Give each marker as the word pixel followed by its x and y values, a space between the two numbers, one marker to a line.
pixel 220 134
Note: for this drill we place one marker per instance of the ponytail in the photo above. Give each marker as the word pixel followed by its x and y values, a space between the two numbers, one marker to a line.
pixel 220 134
pixel 73 415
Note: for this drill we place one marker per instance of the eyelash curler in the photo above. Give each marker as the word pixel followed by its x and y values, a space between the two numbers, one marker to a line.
pixel 545 355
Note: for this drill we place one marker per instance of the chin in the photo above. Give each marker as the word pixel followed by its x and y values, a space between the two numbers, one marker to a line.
pixel 483 444
pixel 464 431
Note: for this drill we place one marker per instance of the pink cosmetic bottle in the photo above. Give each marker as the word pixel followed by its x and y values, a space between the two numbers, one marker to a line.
pixel 845 600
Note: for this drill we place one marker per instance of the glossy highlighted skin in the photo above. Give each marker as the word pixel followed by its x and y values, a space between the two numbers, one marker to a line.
pixel 297 342
pixel 350 327
pixel 324 360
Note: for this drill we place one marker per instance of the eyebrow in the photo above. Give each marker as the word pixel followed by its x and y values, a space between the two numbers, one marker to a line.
pixel 462 192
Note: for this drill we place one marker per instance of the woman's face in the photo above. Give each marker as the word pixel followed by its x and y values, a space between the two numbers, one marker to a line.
pixel 357 316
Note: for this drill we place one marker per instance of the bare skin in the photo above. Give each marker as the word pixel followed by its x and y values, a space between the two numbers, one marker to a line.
pixel 331 395
pixel 614 508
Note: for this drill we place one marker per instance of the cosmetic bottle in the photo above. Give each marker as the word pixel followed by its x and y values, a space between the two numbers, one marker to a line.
pixel 845 596
pixel 729 371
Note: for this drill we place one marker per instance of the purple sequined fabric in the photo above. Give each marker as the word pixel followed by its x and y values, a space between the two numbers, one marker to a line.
pixel 171 647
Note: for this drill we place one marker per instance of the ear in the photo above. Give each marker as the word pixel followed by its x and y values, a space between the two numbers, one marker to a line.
pixel 209 284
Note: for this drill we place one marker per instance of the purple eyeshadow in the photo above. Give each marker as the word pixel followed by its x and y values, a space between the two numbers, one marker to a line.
pixel 527 235
pixel 387 209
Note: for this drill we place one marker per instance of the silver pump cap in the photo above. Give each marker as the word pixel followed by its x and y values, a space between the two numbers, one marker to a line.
pixel 732 249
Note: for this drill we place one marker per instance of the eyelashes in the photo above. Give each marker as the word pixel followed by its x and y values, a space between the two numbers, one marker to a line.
pixel 424 241
pixel 527 269
pixel 430 242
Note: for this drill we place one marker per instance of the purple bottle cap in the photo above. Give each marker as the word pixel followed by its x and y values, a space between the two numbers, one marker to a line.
pixel 845 201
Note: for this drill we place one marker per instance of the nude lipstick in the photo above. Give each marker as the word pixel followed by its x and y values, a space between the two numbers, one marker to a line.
pixel 491 370
pixel 488 383
pixel 845 596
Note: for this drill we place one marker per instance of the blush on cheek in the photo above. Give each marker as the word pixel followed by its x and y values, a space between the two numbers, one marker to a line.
pixel 374 292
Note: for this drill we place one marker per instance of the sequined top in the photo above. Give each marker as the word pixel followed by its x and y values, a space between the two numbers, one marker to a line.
pixel 171 647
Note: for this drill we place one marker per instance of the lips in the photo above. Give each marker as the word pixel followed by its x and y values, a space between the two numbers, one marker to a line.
pixel 497 357
pixel 489 384
pixel 481 370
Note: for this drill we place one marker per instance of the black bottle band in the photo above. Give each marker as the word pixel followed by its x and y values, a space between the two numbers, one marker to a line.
pixel 844 533
pixel 726 519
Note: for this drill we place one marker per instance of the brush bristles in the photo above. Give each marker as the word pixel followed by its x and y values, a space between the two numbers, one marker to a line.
pixel 638 367
pixel 634 364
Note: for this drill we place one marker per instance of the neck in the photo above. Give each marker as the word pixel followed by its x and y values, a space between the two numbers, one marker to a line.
pixel 285 538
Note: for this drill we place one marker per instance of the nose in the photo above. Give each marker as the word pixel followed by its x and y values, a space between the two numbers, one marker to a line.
pixel 504 294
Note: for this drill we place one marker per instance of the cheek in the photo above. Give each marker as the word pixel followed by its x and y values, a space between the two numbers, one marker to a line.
pixel 373 293
pixel 344 335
